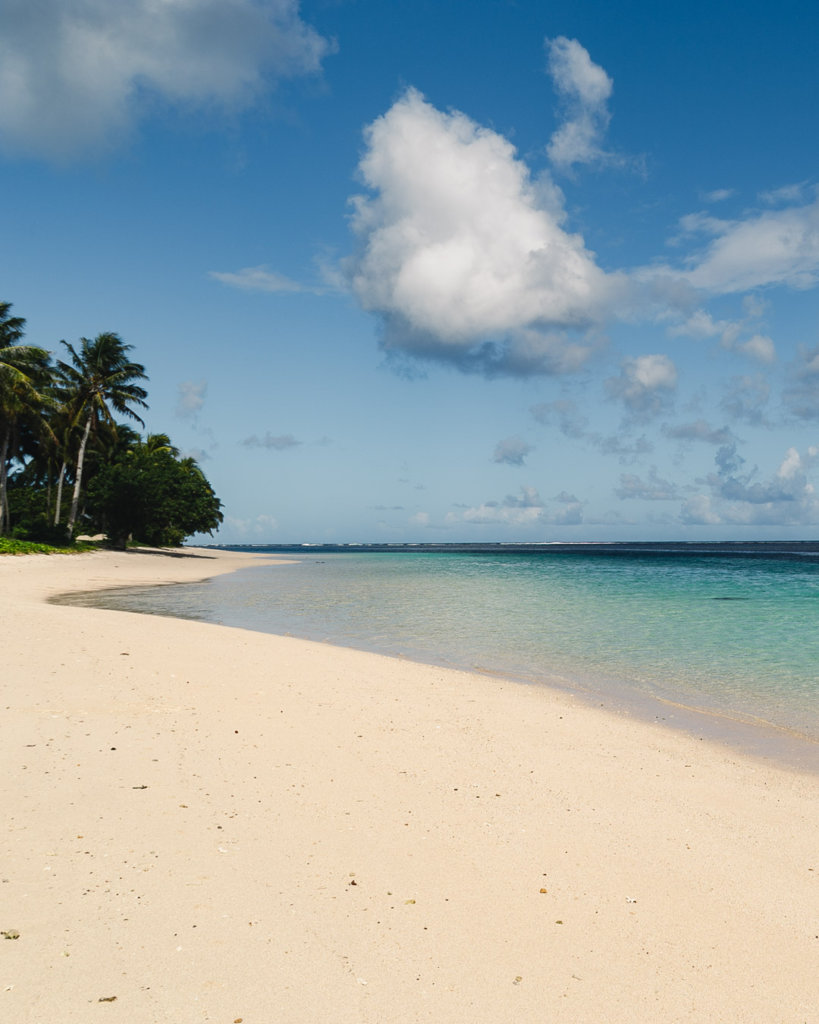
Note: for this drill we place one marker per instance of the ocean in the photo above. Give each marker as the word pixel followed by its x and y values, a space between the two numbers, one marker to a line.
pixel 720 640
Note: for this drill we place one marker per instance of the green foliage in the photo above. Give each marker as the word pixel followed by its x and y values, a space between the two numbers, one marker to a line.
pixel 30 514
pixel 24 378
pixel 153 496
pixel 64 459
pixel 100 377
pixel 11 327
pixel 10 546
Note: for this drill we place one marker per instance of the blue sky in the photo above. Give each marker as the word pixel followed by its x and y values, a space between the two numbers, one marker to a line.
pixel 403 270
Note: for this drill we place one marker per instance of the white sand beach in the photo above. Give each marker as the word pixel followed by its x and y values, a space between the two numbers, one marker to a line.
pixel 204 824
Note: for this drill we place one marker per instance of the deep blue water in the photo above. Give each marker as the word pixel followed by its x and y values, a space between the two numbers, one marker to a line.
pixel 733 634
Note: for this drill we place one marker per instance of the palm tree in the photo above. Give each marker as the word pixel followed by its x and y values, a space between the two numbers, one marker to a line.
pixel 11 327
pixel 23 371
pixel 160 443
pixel 99 378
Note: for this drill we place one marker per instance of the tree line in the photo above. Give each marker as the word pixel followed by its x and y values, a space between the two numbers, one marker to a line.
pixel 68 467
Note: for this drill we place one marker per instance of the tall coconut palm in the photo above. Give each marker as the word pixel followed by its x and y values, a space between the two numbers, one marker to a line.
pixel 99 378
pixel 23 372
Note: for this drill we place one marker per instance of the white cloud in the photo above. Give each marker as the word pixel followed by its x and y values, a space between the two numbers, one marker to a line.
pixel 525 509
pixel 768 248
pixel 512 451
pixel 652 489
pixel 565 413
pixel 260 279
pixel 468 260
pixel 754 307
pixel 585 89
pixel 645 385
pixel 746 399
pixel 197 454
pixel 627 450
pixel 785 194
pixel 515 510
pixel 570 514
pixel 700 224
pixel 75 75
pixel 699 430
pixel 802 395
pixel 698 510
pixel 570 420
pixel 493 513
pixel 787 498
pixel 462 255
pixel 191 397
pixel 260 525
pixel 719 195
pixel 573 424
pixel 759 347
pixel 529 498
pixel 699 324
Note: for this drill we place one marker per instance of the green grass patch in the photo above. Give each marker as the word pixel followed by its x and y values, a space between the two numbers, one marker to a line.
pixel 10 546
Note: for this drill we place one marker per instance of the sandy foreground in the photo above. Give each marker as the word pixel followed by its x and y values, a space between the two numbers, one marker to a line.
pixel 209 824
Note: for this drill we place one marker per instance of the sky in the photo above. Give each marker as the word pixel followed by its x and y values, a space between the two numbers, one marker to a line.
pixel 427 270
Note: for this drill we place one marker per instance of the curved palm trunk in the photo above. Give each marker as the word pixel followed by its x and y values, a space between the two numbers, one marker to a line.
pixel 75 500
pixel 60 480
pixel 4 500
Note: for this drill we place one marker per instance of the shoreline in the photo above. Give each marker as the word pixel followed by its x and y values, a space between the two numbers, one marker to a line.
pixel 211 823
pixel 739 732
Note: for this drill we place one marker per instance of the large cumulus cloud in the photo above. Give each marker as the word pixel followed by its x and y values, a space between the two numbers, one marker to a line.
pixel 463 254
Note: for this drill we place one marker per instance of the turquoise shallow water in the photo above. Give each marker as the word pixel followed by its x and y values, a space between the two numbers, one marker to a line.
pixel 736 637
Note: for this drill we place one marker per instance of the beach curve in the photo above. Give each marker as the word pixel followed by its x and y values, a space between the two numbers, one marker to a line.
pixel 212 824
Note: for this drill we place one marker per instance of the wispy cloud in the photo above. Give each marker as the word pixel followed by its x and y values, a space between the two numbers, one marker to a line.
pixel 584 88
pixel 512 451
pixel 765 248
pixel 277 442
pixel 645 386
pixel 742 336
pixel 651 489
pixel 570 420
pixel 572 423
pixel 787 194
pixel 257 526
pixel 263 279
pixel 259 279
pixel 699 430
pixel 719 195
pixel 802 394
pixel 746 399
pixel 191 397
pixel 758 346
